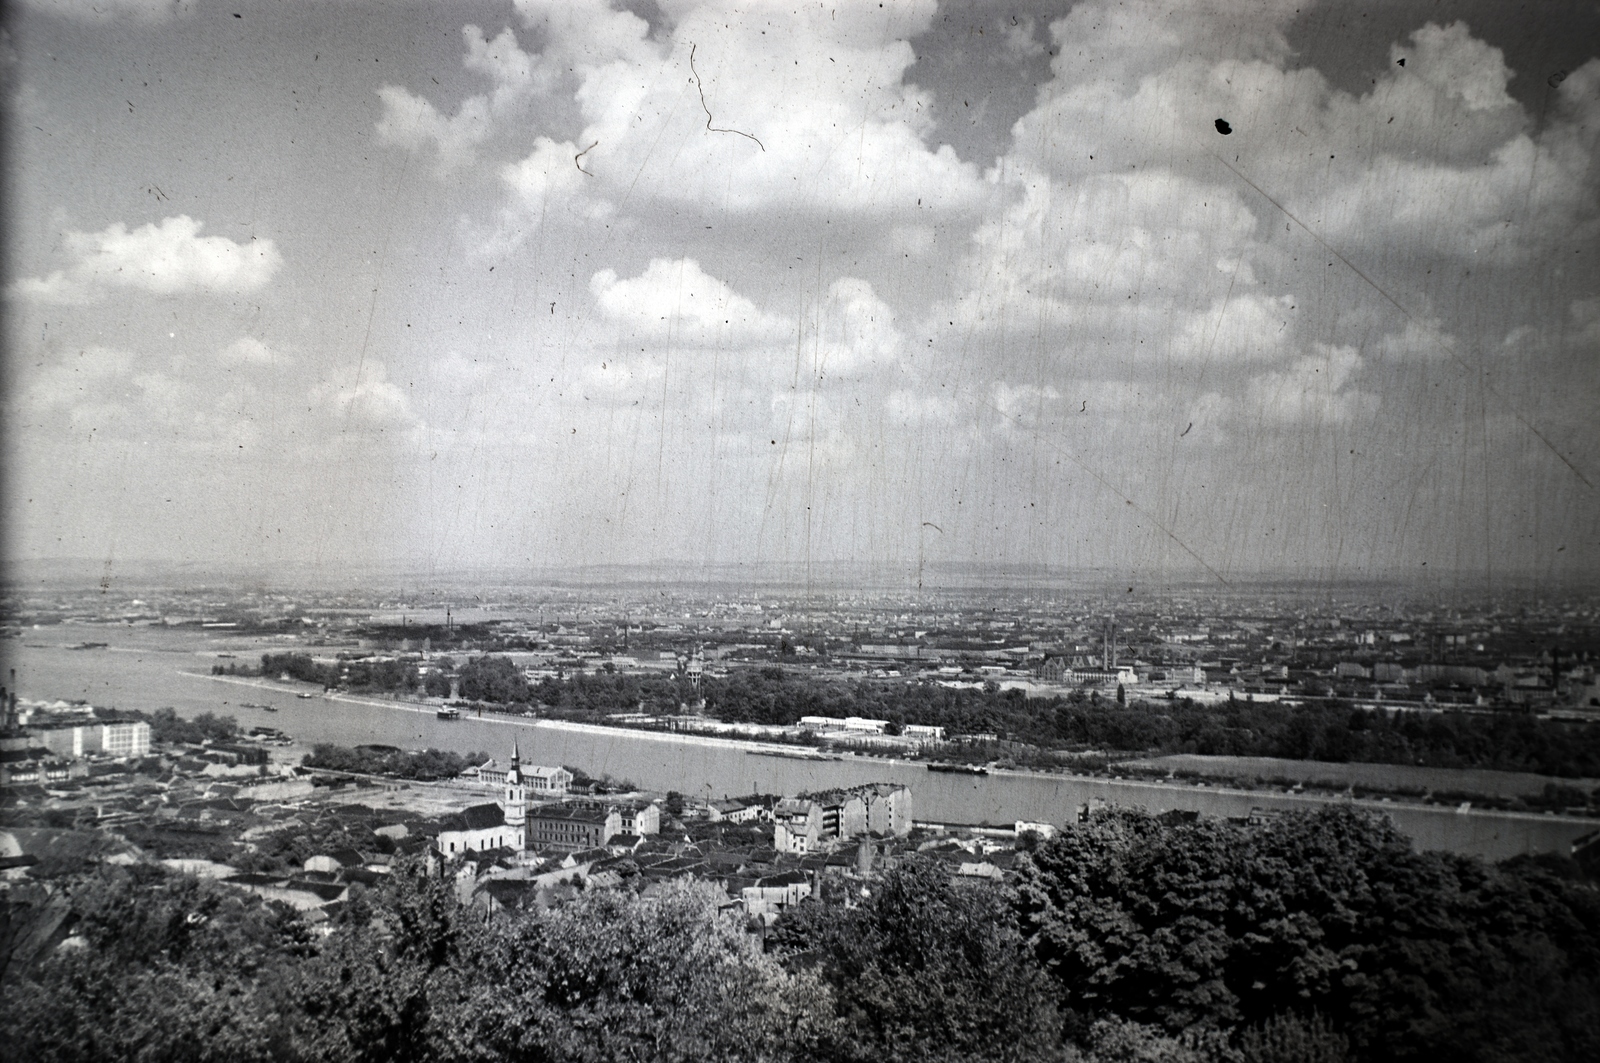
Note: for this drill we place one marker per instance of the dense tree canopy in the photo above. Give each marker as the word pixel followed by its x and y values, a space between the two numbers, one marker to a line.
pixel 923 970
pixel 1207 924
pixel 357 673
pixel 374 760
pixel 1320 938
pixel 1313 731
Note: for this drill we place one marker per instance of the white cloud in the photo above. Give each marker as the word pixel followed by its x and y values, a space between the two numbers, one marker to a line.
pixel 412 122
pixel 248 350
pixel 514 72
pixel 1245 327
pixel 1586 315
pixel 1024 405
pixel 1421 338
pixel 1314 389
pixel 550 177
pixel 1138 81
pixel 82 376
pixel 858 331
pixel 364 399
pixel 1151 253
pixel 169 258
pixel 913 407
pixel 1451 62
pixel 677 300
pixel 739 108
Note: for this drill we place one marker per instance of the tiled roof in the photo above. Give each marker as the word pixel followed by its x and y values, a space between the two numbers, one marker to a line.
pixel 570 814
pixel 478 817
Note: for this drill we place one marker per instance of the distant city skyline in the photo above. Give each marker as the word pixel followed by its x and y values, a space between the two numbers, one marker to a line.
pixel 1181 291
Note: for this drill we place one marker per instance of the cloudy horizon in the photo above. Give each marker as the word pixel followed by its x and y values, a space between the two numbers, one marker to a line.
pixel 1206 289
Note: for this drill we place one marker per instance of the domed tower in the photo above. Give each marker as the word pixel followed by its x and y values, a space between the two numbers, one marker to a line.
pixel 516 802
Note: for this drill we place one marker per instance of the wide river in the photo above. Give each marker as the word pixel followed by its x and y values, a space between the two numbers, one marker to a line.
pixel 149 668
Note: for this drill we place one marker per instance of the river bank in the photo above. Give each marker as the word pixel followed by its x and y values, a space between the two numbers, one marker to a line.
pixel 149 671
pixel 664 761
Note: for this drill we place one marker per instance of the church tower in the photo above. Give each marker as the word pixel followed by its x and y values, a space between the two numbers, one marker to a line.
pixel 516 802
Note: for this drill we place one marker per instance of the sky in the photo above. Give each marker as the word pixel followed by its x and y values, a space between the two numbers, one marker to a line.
pixel 1214 288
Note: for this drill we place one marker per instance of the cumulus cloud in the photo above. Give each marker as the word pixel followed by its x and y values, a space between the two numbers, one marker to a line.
pixel 1246 327
pixel 858 331
pixel 247 350
pixel 364 399
pixel 1138 81
pixel 83 375
pixel 675 299
pixel 910 407
pixel 1024 405
pixel 1419 339
pixel 165 258
pixel 1314 389
pixel 777 107
pixel 413 122
pixel 847 334
pixel 550 177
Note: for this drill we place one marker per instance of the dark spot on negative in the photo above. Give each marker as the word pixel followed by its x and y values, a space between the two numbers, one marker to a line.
pixel 1401 61
pixel 1223 127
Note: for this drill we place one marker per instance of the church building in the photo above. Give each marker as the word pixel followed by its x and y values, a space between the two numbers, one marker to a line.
pixel 490 825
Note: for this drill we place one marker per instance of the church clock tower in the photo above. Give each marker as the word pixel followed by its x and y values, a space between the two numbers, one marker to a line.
pixel 516 802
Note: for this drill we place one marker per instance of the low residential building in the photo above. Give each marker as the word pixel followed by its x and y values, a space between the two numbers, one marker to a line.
pixel 864 725
pixel 732 810
pixel 542 781
pixel 772 894
pixel 796 825
pixel 888 808
pixel 844 813
pixel 639 817
pixel 924 732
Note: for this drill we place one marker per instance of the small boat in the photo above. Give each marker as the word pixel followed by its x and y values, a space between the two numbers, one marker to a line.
pixel 959 769
pixel 305 696
pixel 449 714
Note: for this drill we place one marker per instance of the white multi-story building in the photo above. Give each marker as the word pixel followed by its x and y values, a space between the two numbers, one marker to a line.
pixel 125 738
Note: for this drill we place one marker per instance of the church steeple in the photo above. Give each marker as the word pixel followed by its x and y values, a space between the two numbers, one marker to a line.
pixel 516 803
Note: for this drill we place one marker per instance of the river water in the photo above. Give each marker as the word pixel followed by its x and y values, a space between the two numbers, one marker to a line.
pixel 148 668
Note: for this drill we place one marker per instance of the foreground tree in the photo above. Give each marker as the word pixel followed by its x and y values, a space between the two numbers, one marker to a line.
pixel 619 976
pixel 925 970
pixel 1207 925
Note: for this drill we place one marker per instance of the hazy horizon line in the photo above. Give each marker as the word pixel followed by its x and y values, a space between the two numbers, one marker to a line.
pixel 817 576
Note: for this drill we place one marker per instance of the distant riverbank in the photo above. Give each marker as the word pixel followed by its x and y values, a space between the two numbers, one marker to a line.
pixel 677 737
pixel 1431 825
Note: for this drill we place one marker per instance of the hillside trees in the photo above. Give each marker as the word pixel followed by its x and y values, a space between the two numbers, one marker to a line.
pixel 1190 926
pixel 924 970
pixel 618 976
